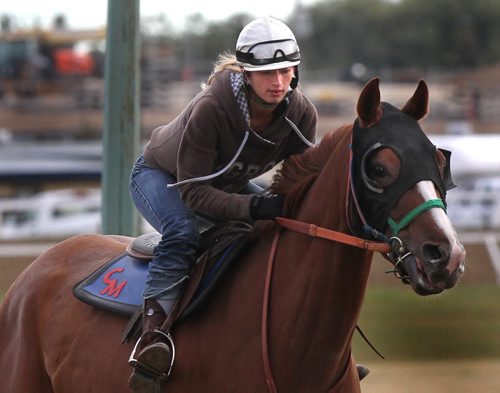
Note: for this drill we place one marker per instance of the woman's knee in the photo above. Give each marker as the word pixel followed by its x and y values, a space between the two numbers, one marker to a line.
pixel 182 226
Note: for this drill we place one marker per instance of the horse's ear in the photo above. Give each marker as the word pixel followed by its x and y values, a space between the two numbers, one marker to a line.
pixel 368 108
pixel 418 105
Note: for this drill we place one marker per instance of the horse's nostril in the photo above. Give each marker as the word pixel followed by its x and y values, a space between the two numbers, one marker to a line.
pixel 433 253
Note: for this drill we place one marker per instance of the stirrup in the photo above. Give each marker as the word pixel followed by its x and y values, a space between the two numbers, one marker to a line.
pixel 154 373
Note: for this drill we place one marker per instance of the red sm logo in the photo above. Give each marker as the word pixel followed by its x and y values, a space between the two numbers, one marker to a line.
pixel 112 286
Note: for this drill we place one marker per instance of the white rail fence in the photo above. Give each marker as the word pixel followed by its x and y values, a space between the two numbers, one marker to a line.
pixel 491 242
pixel 489 239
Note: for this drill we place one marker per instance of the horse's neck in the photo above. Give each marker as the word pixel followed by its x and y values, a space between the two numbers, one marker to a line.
pixel 316 291
pixel 318 285
pixel 316 296
pixel 325 203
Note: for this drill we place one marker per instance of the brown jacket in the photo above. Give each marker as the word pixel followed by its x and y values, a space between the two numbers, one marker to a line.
pixel 206 136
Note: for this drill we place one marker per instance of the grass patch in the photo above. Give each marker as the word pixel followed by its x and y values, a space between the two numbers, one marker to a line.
pixel 462 323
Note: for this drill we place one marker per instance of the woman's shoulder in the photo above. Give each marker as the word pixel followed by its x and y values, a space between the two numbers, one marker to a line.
pixel 301 99
pixel 224 82
pixel 301 105
pixel 211 106
pixel 223 92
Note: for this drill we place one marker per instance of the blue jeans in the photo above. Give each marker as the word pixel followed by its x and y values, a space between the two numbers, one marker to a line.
pixel 163 208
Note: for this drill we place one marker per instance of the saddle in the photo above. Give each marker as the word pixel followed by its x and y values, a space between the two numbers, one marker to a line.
pixel 118 284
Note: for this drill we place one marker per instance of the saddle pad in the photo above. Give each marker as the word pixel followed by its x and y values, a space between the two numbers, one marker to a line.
pixel 116 286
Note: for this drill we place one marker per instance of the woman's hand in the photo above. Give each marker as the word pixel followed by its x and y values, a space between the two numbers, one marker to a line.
pixel 266 207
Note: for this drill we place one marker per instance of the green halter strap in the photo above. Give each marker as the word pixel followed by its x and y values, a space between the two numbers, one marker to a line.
pixel 427 205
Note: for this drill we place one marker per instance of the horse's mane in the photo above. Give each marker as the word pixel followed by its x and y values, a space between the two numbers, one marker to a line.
pixel 298 171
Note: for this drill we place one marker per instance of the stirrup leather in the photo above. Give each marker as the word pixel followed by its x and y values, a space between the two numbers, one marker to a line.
pixel 154 373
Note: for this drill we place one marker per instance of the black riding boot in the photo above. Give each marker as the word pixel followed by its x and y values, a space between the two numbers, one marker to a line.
pixel 152 356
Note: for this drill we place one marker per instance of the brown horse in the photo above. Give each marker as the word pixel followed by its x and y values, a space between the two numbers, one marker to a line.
pixel 52 343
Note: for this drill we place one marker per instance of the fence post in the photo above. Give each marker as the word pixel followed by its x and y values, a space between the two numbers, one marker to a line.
pixel 121 136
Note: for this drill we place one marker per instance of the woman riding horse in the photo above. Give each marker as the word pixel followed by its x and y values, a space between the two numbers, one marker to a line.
pixel 284 317
pixel 245 122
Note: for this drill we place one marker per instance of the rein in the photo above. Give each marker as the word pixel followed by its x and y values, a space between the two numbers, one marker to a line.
pixel 324 233
pixel 313 231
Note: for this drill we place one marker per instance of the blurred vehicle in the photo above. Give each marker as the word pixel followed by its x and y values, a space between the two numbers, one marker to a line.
pixel 51 214
pixel 52 81
pixel 475 204
pixel 40 62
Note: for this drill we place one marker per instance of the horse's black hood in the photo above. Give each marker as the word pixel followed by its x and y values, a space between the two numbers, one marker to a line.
pixel 417 154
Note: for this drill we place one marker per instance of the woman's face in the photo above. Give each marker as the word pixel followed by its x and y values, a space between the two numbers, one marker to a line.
pixel 271 86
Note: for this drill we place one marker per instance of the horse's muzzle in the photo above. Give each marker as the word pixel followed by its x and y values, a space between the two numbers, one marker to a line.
pixel 435 268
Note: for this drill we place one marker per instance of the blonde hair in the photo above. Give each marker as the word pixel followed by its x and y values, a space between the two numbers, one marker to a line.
pixel 225 60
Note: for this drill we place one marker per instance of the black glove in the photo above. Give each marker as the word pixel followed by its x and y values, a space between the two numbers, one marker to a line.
pixel 266 207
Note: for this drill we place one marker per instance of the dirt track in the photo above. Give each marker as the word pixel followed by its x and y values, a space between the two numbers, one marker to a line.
pixel 471 376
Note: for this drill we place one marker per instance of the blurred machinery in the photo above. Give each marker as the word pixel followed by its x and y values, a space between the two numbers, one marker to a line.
pixel 37 62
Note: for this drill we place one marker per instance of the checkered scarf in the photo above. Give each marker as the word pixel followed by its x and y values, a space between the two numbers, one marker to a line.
pixel 238 85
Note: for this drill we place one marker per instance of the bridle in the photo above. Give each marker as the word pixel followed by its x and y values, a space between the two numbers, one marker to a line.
pixel 313 231
pixel 392 248
pixel 398 251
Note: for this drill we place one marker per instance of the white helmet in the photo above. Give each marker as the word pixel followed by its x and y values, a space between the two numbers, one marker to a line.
pixel 267 44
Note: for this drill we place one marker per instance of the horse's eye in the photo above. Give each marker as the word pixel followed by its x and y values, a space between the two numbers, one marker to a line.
pixel 380 168
pixel 376 172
